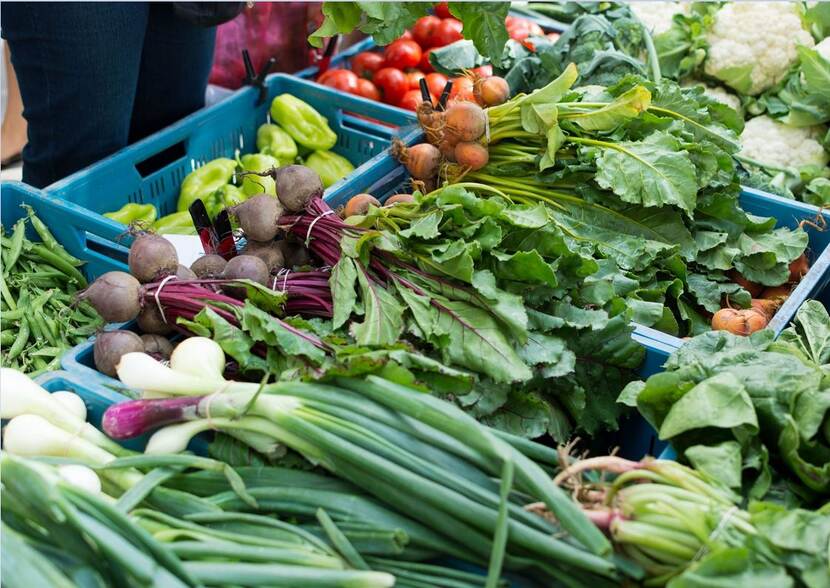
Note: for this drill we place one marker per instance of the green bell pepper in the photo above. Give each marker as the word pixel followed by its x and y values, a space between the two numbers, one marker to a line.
pixel 258 162
pixel 204 181
pixel 306 126
pixel 329 166
pixel 176 223
pixel 133 212
pixel 274 141
pixel 225 197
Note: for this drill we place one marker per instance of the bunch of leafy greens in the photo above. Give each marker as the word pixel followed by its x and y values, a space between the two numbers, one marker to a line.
pixel 605 45
pixel 750 411
pixel 642 174
pixel 499 289
pixel 386 21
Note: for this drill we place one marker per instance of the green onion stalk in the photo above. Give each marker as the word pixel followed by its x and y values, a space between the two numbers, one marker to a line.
pixel 660 514
pixel 55 532
pixel 416 453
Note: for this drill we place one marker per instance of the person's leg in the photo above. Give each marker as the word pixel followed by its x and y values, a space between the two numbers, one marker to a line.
pixel 77 64
pixel 175 66
pixel 13 136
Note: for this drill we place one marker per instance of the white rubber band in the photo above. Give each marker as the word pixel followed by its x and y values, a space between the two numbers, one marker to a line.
pixel 727 516
pixel 158 291
pixel 311 226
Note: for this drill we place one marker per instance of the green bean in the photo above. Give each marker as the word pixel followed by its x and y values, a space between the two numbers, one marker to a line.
pixel 48 352
pixel 58 262
pixel 19 342
pixel 49 239
pixel 7 295
pixel 51 366
pixel 16 245
pixel 13 315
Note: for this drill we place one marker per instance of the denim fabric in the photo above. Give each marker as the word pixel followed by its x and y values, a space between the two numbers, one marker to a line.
pixel 96 76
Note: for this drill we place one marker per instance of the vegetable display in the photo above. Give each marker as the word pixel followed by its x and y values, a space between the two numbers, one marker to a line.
pixel 39 282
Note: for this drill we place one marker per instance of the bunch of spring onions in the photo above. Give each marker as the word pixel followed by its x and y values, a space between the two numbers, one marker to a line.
pixel 419 455
pixel 680 526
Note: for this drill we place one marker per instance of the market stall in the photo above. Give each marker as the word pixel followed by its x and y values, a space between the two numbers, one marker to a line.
pixel 527 295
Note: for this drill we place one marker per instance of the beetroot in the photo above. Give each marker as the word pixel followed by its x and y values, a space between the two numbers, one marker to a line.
pixel 110 346
pixel 152 257
pixel 150 320
pixel 209 266
pixel 115 295
pixel 185 273
pixel 259 217
pixel 296 185
pixel 269 252
pixel 157 346
pixel 245 267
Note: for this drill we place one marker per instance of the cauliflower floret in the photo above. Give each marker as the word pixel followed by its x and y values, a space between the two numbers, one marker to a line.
pixel 657 16
pixel 759 36
pixel 823 48
pixel 773 143
pixel 720 94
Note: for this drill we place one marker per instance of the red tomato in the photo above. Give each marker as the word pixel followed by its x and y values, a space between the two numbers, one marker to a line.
pixel 462 89
pixel 442 10
pixel 436 83
pixel 402 54
pixel 413 77
pixel 424 29
pixel 341 79
pixel 392 83
pixel 425 66
pixel 520 29
pixel 412 99
pixel 367 89
pixel 449 31
pixel 366 63
pixel 485 71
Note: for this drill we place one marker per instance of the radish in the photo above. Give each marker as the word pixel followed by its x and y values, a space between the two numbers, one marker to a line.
pixel 152 257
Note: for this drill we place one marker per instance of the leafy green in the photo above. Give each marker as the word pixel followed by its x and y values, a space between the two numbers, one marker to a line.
pixel 739 399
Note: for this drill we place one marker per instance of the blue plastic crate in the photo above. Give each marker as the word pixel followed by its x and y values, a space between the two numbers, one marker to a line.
pixel 70 224
pixel 152 170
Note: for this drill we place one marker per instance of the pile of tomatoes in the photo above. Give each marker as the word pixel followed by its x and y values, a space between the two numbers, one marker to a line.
pixel 394 75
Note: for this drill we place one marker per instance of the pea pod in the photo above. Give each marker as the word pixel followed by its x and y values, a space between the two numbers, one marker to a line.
pixel 330 166
pixel 176 223
pixel 258 162
pixel 133 212
pixel 274 141
pixel 16 245
pixel 204 181
pixel 306 126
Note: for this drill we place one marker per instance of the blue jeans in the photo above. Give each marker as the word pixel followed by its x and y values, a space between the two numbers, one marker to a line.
pixel 96 76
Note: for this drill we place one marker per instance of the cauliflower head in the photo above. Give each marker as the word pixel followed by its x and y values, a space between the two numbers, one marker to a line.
pixel 657 16
pixel 776 144
pixel 753 44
